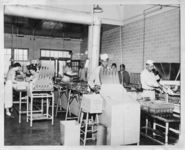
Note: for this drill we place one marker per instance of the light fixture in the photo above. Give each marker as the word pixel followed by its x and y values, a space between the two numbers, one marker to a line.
pixel 97 9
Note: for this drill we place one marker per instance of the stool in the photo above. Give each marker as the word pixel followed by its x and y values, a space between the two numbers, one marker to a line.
pixel 89 121
pixel 59 102
pixel 71 96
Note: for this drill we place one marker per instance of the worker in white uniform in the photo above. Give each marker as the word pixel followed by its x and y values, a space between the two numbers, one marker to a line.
pixel 67 70
pixel 149 81
pixel 8 91
pixel 94 78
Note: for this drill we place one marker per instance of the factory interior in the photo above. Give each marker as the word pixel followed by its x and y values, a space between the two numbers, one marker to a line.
pixel 92 74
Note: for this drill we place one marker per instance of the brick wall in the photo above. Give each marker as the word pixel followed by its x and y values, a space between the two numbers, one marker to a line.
pixel 162 43
pixel 34 46
pixel 111 45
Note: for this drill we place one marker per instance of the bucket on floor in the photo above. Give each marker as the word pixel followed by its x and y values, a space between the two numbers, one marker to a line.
pixel 70 133
pixel 101 135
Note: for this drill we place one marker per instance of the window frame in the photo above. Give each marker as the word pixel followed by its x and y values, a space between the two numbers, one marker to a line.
pixel 13 56
pixel 52 58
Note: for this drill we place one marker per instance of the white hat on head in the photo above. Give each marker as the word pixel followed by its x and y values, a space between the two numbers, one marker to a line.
pixel 68 61
pixel 150 62
pixel 104 57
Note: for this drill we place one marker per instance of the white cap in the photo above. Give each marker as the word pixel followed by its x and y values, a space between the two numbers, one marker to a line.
pixel 104 57
pixel 150 62
pixel 68 61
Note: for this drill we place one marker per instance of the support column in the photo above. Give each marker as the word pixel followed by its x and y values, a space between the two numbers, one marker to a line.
pixel 2 73
pixel 90 37
pixel 94 44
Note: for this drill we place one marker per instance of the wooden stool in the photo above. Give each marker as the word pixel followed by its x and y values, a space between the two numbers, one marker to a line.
pixel 89 121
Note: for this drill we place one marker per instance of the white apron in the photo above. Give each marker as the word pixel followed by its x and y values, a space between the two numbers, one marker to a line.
pixel 8 94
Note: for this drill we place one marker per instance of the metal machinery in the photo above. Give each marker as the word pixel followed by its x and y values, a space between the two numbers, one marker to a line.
pixel 41 91
pixel 121 112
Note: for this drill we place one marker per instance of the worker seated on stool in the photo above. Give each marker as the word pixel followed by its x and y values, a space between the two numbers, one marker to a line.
pixel 149 81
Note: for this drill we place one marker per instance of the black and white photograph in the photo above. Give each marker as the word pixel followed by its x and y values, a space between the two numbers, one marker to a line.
pixel 92 74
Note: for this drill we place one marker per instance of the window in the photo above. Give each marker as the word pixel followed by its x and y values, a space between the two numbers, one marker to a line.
pixel 55 53
pixel 21 54
pixel 7 59
pixel 56 63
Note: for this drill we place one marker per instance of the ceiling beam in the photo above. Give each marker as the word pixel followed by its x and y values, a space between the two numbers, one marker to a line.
pixel 50 14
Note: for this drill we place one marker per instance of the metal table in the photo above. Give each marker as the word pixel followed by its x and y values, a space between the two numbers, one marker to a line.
pixel 75 91
pixel 155 118
pixel 20 88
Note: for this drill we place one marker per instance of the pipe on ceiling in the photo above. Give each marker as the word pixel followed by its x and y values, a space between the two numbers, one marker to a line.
pixel 51 14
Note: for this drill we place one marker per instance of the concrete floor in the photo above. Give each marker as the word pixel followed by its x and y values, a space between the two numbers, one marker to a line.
pixel 42 132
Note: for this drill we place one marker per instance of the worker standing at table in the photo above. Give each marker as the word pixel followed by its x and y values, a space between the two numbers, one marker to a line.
pixel 94 78
pixel 124 77
pixel 10 80
pixel 149 81
pixel 114 67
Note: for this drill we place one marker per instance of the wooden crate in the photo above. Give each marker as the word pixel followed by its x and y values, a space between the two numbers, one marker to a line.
pixel 70 133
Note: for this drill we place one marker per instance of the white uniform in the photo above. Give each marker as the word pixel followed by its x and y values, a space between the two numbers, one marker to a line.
pixel 149 83
pixel 94 78
pixel 8 91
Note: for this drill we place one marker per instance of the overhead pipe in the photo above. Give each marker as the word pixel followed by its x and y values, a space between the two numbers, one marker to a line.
pixel 48 14
pixel 145 13
pixel 121 45
pixel 2 73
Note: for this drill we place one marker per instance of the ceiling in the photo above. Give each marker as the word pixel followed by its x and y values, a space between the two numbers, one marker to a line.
pixel 38 27
pixel 111 17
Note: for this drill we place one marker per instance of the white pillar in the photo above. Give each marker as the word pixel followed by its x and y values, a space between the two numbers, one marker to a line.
pixel 96 43
pixel 90 37
pixel 2 74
